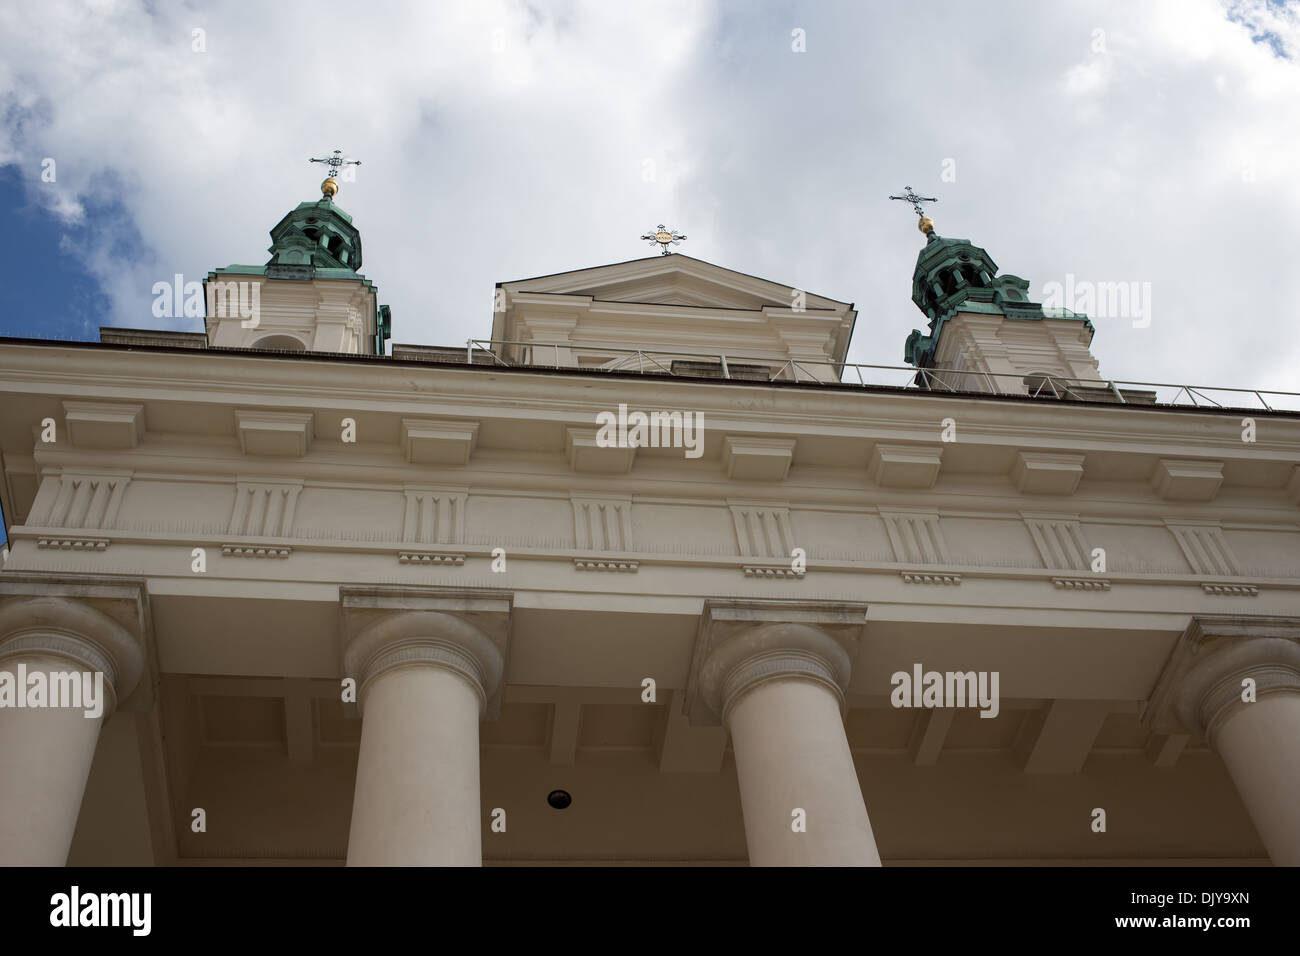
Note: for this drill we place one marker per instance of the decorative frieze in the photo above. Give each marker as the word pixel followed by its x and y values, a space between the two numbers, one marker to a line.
pixel 762 530
pixel 1205 547
pixel 1060 541
pixel 916 537
pixel 434 515
pixel 90 501
pixel 602 523
pixel 264 509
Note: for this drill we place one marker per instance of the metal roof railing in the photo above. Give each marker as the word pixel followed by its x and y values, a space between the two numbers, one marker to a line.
pixel 522 354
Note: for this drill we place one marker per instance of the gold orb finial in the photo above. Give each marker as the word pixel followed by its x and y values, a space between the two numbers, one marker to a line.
pixel 926 225
pixel 329 187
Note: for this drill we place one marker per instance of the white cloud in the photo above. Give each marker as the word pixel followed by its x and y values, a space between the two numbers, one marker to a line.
pixel 503 139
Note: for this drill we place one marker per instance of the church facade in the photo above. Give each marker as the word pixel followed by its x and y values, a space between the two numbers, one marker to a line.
pixel 646 576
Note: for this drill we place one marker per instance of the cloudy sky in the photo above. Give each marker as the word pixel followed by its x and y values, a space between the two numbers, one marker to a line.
pixel 1154 143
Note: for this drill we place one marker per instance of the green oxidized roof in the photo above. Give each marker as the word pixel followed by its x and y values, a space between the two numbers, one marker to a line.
pixel 316 240
pixel 954 275
pixel 318 234
pixel 242 270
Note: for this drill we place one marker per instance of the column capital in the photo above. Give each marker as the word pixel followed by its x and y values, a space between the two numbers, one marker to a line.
pixel 741 644
pixel 1201 684
pixel 463 631
pixel 93 625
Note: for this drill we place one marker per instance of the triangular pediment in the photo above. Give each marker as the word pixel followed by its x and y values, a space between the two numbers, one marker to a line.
pixel 672 280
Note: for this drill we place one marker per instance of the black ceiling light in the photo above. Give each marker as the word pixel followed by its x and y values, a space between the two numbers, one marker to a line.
pixel 559 799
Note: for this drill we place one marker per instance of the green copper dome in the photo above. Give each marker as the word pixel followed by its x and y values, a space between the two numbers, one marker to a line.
pixel 316 234
pixel 317 240
pixel 955 275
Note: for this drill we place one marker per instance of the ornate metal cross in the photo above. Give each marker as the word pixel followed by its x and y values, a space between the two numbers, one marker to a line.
pixel 915 200
pixel 336 162
pixel 665 238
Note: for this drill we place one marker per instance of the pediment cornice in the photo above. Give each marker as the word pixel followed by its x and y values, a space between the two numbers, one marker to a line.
pixel 670 301
pixel 692 281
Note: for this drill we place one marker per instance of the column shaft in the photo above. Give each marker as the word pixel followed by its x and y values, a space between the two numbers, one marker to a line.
pixel 1260 744
pixel 792 753
pixel 417 793
pixel 45 758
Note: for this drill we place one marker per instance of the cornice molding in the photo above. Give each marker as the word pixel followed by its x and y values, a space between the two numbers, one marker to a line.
pixel 591 280
pixel 371 386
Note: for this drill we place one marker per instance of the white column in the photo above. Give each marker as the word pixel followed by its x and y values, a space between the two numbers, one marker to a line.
pixel 424 679
pixel 1259 739
pixel 779 689
pixel 793 759
pixel 46 752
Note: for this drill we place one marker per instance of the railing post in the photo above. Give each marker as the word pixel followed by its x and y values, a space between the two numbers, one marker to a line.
pixel 557 354
pixel 469 351
pixel 726 372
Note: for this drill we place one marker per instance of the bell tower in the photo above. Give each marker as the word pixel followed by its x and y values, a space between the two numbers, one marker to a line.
pixel 984 333
pixel 310 295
